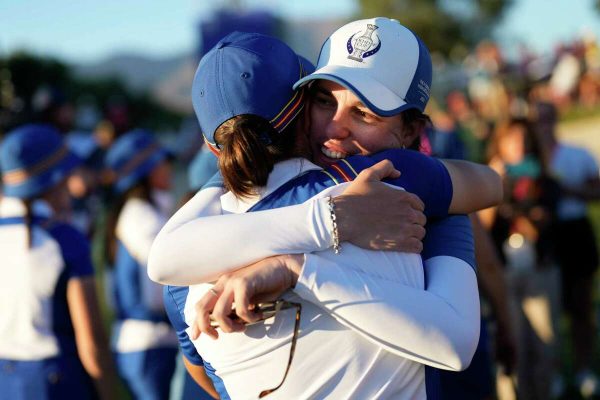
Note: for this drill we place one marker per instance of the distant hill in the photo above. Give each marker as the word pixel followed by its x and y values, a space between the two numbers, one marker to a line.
pixel 169 80
pixel 138 72
pixel 141 73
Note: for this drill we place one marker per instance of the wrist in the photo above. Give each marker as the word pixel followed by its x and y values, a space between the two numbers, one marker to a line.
pixel 344 227
pixel 293 263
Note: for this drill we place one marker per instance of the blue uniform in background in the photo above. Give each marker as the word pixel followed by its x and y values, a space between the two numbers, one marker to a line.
pixel 38 353
pixel 144 343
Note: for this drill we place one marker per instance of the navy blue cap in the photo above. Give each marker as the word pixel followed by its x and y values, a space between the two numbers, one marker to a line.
pixel 34 158
pixel 132 157
pixel 248 73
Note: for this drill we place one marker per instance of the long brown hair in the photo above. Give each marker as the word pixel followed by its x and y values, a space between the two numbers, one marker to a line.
pixel 249 148
pixel 415 119
pixel 142 190
pixel 28 221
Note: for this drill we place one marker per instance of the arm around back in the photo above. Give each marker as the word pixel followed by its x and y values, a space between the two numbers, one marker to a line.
pixel 92 344
pixel 475 186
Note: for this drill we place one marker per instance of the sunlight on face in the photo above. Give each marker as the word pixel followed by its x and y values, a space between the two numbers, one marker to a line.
pixel 511 146
pixel 341 125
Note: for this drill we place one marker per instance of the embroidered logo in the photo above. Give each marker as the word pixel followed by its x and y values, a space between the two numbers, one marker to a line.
pixel 363 46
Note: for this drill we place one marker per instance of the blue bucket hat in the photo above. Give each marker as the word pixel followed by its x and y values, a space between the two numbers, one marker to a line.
pixel 132 157
pixel 248 73
pixel 34 158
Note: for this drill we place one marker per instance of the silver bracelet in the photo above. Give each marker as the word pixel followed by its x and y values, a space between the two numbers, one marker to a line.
pixel 336 236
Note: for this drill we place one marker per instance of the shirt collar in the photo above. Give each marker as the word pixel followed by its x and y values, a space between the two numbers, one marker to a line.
pixel 282 172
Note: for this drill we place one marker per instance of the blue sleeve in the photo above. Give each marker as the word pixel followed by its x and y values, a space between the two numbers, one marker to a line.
pixel 75 249
pixel 215 181
pixel 174 299
pixel 450 236
pixel 422 175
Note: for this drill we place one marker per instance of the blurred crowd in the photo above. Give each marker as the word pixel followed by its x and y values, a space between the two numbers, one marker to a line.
pixel 536 252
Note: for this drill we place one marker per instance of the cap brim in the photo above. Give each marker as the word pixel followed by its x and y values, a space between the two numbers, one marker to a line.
pixel 371 92
pixel 38 184
pixel 126 182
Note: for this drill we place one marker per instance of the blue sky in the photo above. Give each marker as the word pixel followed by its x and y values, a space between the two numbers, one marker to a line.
pixel 88 30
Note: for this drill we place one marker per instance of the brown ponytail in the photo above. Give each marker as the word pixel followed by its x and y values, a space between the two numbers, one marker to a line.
pixel 249 147
pixel 28 220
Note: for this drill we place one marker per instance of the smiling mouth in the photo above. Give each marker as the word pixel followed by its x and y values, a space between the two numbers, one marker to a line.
pixel 332 154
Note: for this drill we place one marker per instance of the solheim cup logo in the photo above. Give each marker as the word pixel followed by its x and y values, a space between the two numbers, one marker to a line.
pixel 364 45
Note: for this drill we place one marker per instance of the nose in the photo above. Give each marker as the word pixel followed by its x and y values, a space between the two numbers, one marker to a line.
pixel 339 125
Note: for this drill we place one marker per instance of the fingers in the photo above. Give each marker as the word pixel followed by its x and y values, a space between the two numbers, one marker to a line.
pixel 413 200
pixel 203 309
pixel 222 313
pixel 381 170
pixel 243 308
pixel 413 245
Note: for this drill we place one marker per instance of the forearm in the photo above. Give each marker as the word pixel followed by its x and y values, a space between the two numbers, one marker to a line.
pixel 491 274
pixel 90 338
pixel 198 373
pixel 98 364
pixel 475 186
pixel 437 327
pixel 192 249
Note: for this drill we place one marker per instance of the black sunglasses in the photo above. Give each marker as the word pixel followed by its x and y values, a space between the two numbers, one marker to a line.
pixel 268 310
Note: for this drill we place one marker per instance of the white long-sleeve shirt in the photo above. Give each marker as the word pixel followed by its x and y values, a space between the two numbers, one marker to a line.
pixel 375 305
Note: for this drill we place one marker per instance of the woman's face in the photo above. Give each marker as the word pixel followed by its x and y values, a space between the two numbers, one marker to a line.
pixel 341 125
pixel 160 177
pixel 58 198
pixel 511 146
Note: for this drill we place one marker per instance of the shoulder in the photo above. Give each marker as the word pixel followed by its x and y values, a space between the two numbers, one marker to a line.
pixel 138 215
pixel 74 246
pixel 66 235
pixel 137 208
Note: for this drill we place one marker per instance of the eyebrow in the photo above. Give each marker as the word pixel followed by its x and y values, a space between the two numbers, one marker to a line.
pixel 318 89
pixel 358 105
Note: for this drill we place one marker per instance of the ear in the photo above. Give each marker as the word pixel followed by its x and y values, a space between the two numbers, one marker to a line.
pixel 413 131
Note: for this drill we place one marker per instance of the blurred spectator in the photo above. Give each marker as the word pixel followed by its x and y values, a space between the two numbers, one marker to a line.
pixel 577 172
pixel 51 337
pixel 521 230
pixel 443 136
pixel 51 106
pixel 143 340
pixel 477 381
pixel 472 130
pixel 486 88
pixel 565 77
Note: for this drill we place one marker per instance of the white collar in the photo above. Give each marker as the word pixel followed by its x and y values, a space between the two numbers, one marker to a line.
pixel 14 207
pixel 282 172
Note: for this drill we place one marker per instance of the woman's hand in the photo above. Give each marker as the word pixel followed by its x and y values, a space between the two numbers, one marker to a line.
pixel 372 215
pixel 265 280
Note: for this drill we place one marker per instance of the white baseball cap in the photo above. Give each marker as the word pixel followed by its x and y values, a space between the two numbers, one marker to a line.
pixel 384 63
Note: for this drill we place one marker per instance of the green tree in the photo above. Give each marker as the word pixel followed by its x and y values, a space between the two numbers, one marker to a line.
pixel 444 25
pixel 26 73
pixel 29 72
